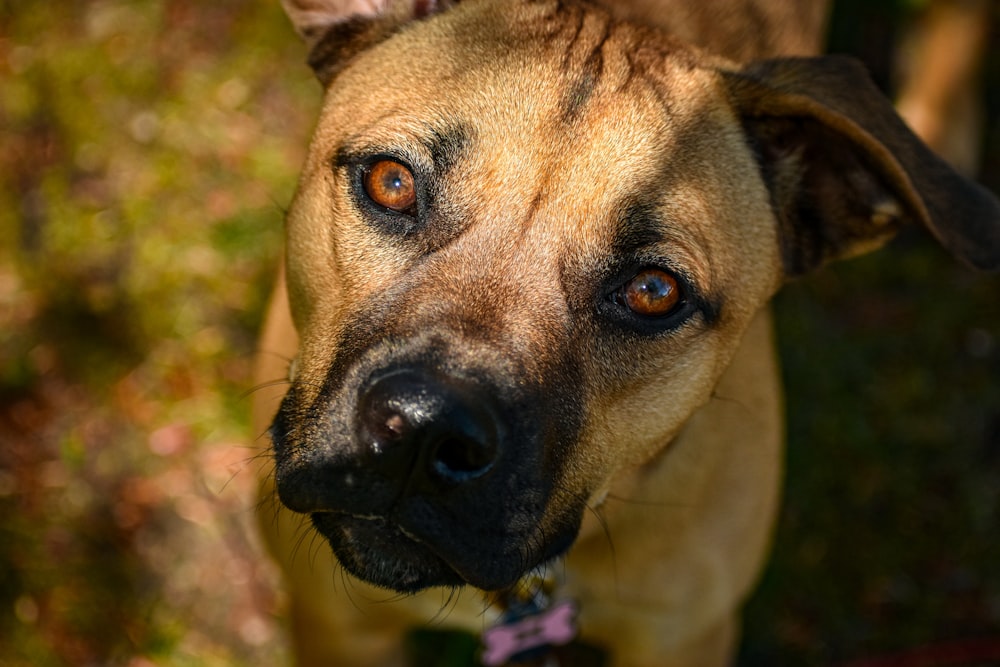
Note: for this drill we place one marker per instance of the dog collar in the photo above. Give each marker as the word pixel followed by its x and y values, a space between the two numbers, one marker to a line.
pixel 531 625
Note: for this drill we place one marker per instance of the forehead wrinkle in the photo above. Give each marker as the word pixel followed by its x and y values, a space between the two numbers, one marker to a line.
pixel 583 62
pixel 605 53
pixel 635 106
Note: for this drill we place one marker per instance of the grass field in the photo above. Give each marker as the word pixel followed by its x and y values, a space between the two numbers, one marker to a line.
pixel 147 149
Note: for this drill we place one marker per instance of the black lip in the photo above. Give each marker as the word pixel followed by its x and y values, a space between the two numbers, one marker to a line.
pixel 383 553
pixel 380 553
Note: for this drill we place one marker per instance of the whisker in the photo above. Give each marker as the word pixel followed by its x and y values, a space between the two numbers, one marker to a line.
pixel 390 599
pixel 264 385
pixel 243 465
pixel 606 529
pixel 649 503
pixel 348 584
pixel 448 605
pixel 316 544
pixel 726 399
pixel 300 538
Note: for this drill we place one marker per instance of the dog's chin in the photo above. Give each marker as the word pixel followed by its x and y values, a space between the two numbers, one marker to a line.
pixel 381 554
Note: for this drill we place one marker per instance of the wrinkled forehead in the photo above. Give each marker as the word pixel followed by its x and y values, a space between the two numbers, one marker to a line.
pixel 521 71
pixel 537 82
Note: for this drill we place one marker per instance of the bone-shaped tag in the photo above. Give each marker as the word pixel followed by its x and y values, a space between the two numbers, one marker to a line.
pixel 550 627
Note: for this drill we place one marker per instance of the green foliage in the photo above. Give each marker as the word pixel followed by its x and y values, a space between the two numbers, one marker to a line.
pixel 148 149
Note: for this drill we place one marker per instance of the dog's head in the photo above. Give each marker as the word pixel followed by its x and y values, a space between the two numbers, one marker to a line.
pixel 526 243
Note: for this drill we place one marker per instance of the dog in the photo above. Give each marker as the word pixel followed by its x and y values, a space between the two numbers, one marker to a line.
pixel 525 291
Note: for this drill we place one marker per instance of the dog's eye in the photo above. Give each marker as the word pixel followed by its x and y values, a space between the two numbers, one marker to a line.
pixel 651 293
pixel 391 185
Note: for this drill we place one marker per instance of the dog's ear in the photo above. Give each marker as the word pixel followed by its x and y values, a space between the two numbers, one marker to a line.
pixel 843 169
pixel 337 30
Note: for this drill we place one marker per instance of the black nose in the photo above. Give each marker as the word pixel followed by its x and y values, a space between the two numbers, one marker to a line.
pixel 423 429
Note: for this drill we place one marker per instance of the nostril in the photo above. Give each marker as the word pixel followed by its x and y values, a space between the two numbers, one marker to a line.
pixel 443 431
pixel 460 459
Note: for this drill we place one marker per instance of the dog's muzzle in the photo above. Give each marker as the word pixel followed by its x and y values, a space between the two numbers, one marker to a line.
pixel 418 477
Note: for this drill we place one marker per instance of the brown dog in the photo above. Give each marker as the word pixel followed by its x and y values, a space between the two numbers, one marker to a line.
pixel 528 266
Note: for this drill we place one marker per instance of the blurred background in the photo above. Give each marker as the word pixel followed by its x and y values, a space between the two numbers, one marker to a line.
pixel 147 149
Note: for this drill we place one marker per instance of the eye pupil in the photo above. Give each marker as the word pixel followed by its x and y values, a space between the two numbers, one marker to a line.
pixel 391 185
pixel 652 293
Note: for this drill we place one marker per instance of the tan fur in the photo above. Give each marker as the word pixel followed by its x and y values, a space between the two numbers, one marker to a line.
pixel 737 30
pixel 569 116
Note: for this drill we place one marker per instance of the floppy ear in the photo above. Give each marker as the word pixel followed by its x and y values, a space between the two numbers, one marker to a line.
pixel 337 30
pixel 845 172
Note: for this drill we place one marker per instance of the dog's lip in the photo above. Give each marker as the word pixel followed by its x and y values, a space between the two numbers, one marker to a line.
pixel 369 563
pixel 382 521
pixel 376 519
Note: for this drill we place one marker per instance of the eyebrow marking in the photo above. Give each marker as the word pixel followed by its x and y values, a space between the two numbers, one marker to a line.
pixel 447 146
pixel 639 226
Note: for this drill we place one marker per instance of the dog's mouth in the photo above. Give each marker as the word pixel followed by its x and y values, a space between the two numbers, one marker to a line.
pixel 381 553
pixel 387 555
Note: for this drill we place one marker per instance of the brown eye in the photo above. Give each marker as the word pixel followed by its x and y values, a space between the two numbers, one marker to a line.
pixel 391 185
pixel 651 293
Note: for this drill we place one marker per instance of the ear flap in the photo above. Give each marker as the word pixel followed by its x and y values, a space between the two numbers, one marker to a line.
pixel 843 169
pixel 337 30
